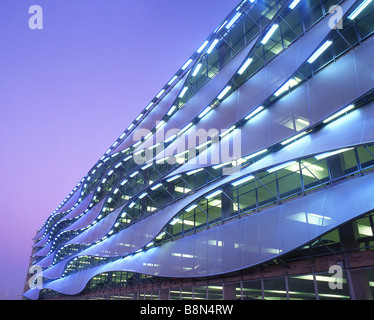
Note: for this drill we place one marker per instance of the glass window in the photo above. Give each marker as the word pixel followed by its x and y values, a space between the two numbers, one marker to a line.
pixel 129 296
pixel 175 294
pixel 251 29
pixel 214 209
pixel 314 173
pixel 236 38
pixel 227 199
pixel 215 292
pixel 330 289
pixel 244 188
pixel 186 293
pixel 291 27
pixel 370 275
pixel 343 164
pixel 273 47
pixel 176 226
pixel 301 287
pixel 365 232
pixel 312 11
pixel 252 290
pixel 200 293
pixel 275 289
pixel 345 41
pixel 366 156
pixel 246 201
pixel 201 218
pixel 349 162
pixel 266 193
pixel 366 26
pixel 155 295
pixel 327 244
pixel 142 295
pixel 188 222
pixel 289 181
pixel 148 295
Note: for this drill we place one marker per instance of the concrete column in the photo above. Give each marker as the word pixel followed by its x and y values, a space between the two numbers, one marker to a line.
pixel 229 291
pixel 164 294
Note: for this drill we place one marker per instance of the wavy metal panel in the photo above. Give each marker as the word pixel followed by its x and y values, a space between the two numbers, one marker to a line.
pixel 333 136
pixel 73 214
pixel 201 100
pixel 42 252
pixel 98 231
pixel 87 218
pixel 244 242
pixel 154 116
pixel 278 122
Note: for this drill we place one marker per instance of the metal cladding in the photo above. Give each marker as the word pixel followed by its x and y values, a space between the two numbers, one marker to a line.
pixel 254 117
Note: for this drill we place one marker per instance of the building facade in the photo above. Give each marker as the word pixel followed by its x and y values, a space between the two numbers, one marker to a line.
pixel 248 176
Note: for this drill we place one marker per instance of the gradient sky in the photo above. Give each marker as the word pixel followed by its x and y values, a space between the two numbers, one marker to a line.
pixel 69 90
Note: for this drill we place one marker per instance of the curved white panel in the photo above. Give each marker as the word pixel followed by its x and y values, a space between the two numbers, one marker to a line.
pixel 98 231
pixel 256 90
pixel 254 239
pixel 80 208
pixel 126 241
pixel 243 242
pixel 42 252
pixel 333 136
pixel 88 218
pixel 259 237
pixel 39 234
pixel 88 236
pixel 74 213
pixel 55 271
pixel 154 116
pixel 42 242
pixel 130 239
pixel 47 261
pixel 72 201
pixel 201 100
pixel 336 86
pixel 81 223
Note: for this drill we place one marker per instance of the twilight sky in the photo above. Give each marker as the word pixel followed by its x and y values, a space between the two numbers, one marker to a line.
pixel 69 90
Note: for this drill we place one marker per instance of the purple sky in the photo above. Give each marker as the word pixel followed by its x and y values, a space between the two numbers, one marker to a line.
pixel 69 90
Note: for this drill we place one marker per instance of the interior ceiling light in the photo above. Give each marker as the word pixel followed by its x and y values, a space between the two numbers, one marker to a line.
pixel 321 50
pixel 269 34
pixel 359 9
